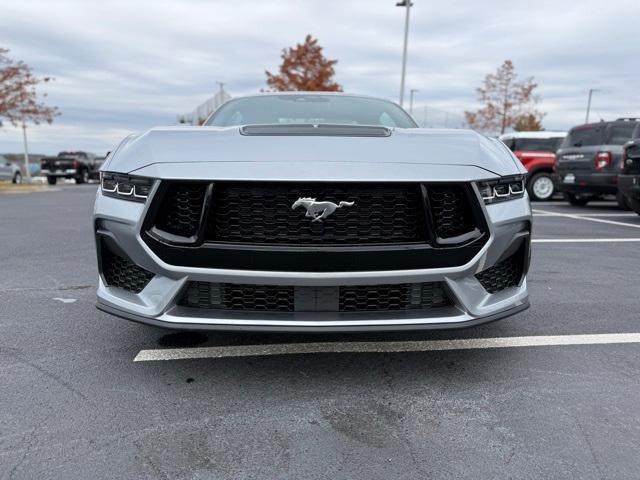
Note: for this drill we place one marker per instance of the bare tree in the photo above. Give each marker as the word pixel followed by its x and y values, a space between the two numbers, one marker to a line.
pixel 304 68
pixel 19 102
pixel 507 102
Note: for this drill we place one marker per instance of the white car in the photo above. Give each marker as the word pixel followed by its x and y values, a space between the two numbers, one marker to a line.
pixel 312 212
pixel 9 170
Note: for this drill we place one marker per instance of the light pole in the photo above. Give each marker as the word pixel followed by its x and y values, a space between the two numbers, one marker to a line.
pixel 26 151
pixel 591 90
pixel 407 4
pixel 411 92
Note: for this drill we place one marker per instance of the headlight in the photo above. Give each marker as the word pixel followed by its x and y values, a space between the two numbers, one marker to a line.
pixel 505 188
pixel 126 187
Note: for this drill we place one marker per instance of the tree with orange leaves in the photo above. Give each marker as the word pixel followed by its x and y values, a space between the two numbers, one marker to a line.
pixel 19 101
pixel 304 68
pixel 507 102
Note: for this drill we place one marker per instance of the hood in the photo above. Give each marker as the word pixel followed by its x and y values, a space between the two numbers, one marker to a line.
pixel 401 146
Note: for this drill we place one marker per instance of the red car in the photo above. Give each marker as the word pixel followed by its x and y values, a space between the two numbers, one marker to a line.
pixel 536 151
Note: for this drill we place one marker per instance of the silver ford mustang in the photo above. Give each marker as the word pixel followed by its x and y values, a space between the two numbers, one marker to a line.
pixel 312 212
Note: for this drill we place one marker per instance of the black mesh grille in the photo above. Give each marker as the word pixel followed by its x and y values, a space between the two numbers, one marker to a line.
pixel 452 213
pixel 276 298
pixel 261 213
pixel 123 273
pixel 380 298
pixel 505 274
pixel 180 210
pixel 231 296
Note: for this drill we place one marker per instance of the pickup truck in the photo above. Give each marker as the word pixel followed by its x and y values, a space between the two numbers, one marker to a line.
pixel 80 166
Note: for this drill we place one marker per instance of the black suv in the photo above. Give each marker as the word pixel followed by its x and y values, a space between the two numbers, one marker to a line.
pixel 629 180
pixel 590 159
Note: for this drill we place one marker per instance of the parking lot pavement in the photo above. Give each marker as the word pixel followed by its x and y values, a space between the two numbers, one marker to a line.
pixel 74 404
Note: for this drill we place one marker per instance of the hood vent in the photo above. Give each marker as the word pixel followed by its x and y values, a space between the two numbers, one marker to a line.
pixel 322 130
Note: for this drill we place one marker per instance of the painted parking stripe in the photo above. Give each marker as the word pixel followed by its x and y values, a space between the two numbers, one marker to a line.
pixel 590 219
pixel 590 214
pixel 584 240
pixel 383 347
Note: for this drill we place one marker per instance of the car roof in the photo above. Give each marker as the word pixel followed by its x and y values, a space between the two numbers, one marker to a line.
pixel 540 134
pixel 604 123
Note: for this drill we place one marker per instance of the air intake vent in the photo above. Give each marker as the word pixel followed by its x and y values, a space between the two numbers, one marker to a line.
pixel 316 130
pixel 181 208
pixel 451 210
pixel 121 272
pixel 504 274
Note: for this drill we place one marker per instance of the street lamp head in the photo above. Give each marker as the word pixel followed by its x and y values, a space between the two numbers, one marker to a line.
pixel 403 3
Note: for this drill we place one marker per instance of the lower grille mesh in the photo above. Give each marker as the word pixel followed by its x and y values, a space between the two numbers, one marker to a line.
pixel 502 275
pixel 277 298
pixel 230 296
pixel 123 273
pixel 381 298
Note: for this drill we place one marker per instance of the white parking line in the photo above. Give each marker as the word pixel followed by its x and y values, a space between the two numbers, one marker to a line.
pixel 590 214
pixel 383 347
pixel 590 219
pixel 584 240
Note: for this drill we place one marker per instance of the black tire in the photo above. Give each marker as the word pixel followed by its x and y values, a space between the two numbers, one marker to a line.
pixel 52 180
pixel 540 187
pixel 623 203
pixel 575 200
pixel 83 177
pixel 17 178
pixel 634 205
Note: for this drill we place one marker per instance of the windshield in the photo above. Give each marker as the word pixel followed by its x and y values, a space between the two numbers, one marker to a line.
pixel 310 109
pixel 584 136
pixel 619 133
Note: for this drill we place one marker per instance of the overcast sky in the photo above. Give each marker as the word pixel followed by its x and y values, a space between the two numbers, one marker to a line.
pixel 123 66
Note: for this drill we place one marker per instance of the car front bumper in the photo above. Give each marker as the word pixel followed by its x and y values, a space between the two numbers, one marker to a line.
pixel 157 304
pixel 67 173
pixel 630 186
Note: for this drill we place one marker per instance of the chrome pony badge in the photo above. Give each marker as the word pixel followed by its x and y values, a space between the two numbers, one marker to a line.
pixel 318 210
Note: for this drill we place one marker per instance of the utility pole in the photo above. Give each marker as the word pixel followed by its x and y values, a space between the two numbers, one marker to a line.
pixel 407 4
pixel 411 92
pixel 591 90
pixel 26 151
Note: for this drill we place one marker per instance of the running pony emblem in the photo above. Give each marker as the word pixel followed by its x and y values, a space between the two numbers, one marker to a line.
pixel 318 210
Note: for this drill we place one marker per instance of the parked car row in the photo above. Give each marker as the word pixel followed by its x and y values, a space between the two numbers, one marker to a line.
pixel 590 160
pixel 584 164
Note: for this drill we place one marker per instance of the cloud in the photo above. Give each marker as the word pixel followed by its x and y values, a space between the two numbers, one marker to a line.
pixel 124 66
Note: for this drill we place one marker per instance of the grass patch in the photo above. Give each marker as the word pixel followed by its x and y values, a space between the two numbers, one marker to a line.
pixel 8 187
